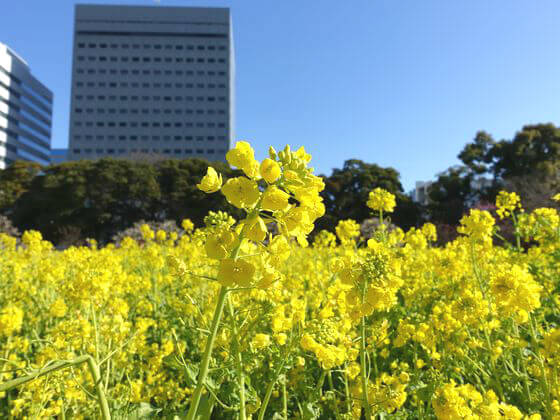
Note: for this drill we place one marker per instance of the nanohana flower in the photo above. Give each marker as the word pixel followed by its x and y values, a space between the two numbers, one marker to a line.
pixel 274 199
pixel 478 225
pixel 507 203
pixel 219 244
pixel 260 341
pixel 236 272
pixel 256 229
pixel 381 200
pixel 270 170
pixel 11 320
pixel 347 230
pixel 241 192
pixel 242 156
pixel 211 182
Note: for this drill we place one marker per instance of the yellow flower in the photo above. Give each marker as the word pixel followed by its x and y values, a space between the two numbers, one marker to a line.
pixel 556 197
pixel 58 308
pixel 381 200
pixel 270 170
pixel 478 225
pixel 219 244
pixel 236 272
pixel 211 182
pixel 256 229
pixel 187 225
pixel 241 192
pixel 347 230
pixel 11 320
pixel 274 199
pixel 243 157
pixel 281 338
pixel 507 203
pixel 260 341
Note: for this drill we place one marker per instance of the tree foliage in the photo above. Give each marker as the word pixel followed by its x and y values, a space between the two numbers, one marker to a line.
pixel 527 163
pixel 99 198
pixel 346 192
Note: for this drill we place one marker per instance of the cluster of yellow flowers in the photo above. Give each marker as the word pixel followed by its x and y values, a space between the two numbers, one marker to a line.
pixel 244 319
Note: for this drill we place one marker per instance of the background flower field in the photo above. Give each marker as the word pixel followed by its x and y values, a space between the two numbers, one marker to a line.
pixel 339 328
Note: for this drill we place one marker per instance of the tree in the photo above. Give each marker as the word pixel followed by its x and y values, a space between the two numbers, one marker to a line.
pixel 346 193
pixel 97 199
pixel 14 181
pixel 94 197
pixel 180 197
pixel 450 195
pixel 530 149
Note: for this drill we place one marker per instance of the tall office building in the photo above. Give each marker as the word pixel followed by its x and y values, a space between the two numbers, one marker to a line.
pixel 25 112
pixel 151 80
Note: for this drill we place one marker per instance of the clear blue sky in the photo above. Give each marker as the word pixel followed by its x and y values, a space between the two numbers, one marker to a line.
pixel 398 83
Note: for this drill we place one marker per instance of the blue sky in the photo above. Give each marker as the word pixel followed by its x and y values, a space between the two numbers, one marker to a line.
pixel 398 83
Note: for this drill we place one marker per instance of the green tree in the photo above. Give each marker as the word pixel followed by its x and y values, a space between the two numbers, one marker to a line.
pixel 346 193
pixel 180 197
pixel 94 198
pixel 14 181
pixel 450 195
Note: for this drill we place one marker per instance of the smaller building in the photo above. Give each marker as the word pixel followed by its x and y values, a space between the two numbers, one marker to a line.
pixel 59 156
pixel 25 112
pixel 420 194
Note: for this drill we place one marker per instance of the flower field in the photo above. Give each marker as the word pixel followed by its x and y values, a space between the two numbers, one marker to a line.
pixel 231 321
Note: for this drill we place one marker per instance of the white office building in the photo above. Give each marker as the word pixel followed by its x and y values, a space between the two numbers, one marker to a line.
pixel 151 80
pixel 25 112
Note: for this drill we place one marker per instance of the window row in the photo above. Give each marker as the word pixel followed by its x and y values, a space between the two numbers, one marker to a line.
pixel 150 138
pixel 137 85
pixel 143 85
pixel 126 72
pixel 177 47
pixel 145 124
pixel 156 98
pixel 135 59
pixel 149 151
pixel 147 111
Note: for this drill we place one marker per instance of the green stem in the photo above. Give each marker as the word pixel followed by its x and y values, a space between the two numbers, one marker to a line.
pixel 238 362
pixel 517 235
pixel 62 364
pixel 269 390
pixel 363 373
pixel 347 393
pixel 544 381
pixel 284 400
pixel 336 412
pixel 203 373
pixel 523 366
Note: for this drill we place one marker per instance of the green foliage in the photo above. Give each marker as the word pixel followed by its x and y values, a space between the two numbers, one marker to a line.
pixel 450 194
pixel 527 164
pixel 96 199
pixel 346 193
pixel 14 181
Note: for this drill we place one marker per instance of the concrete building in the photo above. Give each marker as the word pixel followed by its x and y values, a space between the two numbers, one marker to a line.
pixel 59 156
pixel 420 193
pixel 25 112
pixel 151 80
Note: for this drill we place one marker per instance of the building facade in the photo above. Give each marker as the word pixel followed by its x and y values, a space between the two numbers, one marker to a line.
pixel 151 80
pixel 25 112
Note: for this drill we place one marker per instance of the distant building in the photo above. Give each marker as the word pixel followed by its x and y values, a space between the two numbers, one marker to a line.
pixel 151 80
pixel 420 193
pixel 59 156
pixel 25 112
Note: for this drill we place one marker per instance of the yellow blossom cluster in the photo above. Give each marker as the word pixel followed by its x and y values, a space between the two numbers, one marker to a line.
pixel 391 327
